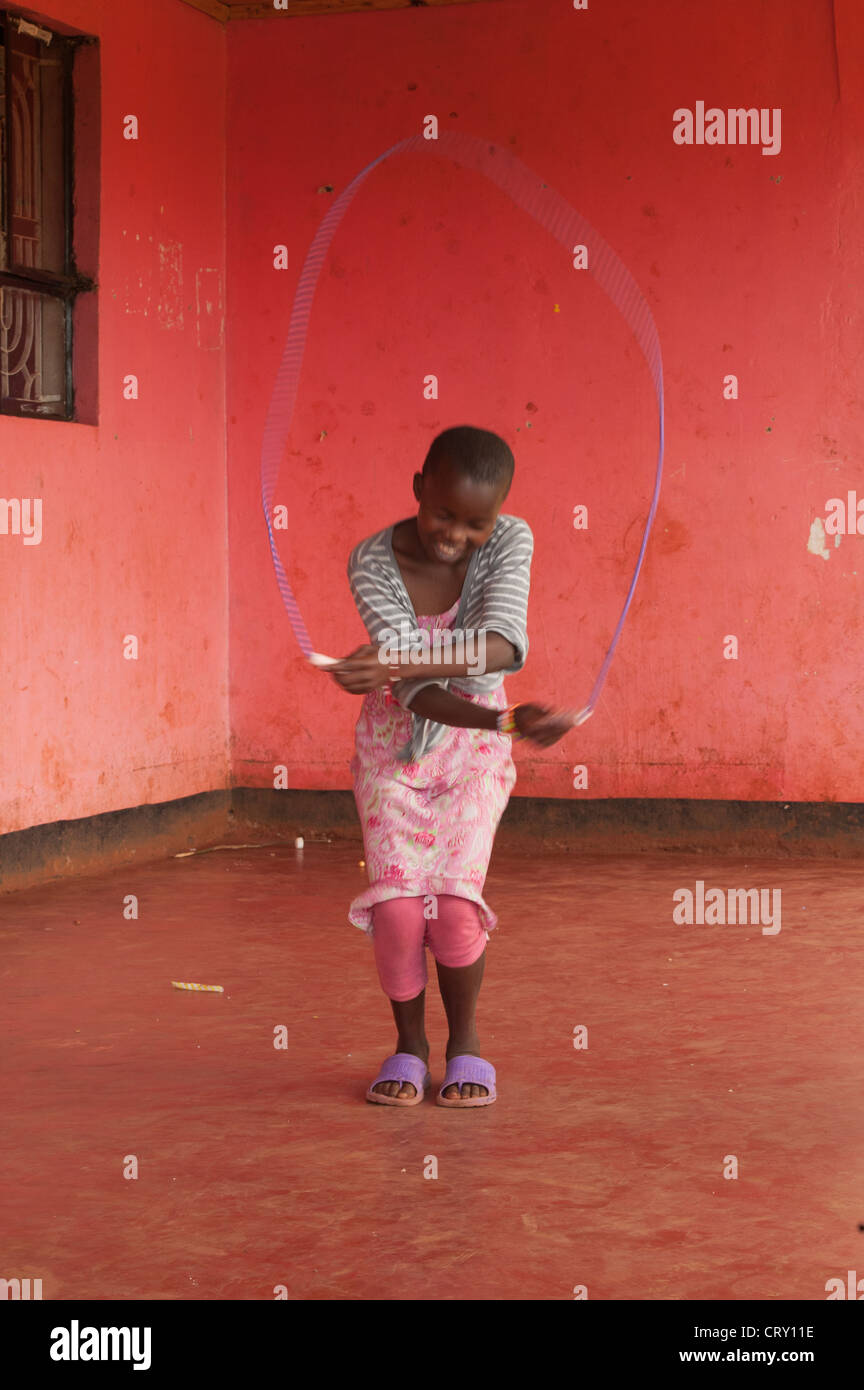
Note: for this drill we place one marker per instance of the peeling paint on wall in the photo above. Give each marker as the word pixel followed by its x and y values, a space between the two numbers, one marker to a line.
pixel 137 293
pixel 816 544
pixel 210 325
pixel 170 284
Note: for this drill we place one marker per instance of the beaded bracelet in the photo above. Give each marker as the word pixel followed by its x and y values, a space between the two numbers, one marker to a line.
pixel 506 722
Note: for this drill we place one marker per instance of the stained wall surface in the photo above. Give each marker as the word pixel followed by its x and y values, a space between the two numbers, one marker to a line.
pixel 752 266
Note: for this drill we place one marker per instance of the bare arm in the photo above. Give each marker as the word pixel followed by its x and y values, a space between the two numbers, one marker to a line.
pixel 445 708
pixel 364 670
pixel 500 656
pixel 536 722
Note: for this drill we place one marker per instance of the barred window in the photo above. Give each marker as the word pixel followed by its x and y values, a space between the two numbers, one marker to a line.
pixel 39 279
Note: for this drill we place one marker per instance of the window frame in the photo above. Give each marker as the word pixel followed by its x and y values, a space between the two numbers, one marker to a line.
pixel 66 286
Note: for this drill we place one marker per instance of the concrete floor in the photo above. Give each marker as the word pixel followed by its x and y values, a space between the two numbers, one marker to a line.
pixel 601 1167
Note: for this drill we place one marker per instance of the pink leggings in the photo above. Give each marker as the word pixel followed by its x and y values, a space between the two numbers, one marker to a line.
pixel 400 934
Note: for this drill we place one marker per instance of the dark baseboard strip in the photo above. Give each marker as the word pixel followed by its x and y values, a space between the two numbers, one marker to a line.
pixel 679 826
pixel 143 834
pixel 94 844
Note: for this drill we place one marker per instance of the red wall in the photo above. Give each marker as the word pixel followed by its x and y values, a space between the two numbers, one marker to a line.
pixel 751 264
pixel 134 509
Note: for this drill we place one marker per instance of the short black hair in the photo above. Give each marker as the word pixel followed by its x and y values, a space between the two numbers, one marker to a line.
pixel 479 455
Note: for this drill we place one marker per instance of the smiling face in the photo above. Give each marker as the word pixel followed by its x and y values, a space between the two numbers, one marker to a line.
pixel 456 515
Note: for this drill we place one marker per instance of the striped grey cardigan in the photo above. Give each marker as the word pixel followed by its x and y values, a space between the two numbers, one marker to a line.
pixel 494 598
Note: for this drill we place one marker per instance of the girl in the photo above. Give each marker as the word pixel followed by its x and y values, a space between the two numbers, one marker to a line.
pixel 432 768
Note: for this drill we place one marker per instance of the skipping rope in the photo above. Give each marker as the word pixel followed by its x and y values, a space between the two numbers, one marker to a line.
pixel 549 210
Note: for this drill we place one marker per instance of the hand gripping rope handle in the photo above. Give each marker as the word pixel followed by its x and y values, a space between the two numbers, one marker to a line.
pixel 562 221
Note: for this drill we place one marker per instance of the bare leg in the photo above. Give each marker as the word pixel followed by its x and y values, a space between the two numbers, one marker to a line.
pixel 410 1021
pixel 460 986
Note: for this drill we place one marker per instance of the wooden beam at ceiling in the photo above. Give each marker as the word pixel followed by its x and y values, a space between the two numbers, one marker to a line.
pixel 223 10
pixel 214 8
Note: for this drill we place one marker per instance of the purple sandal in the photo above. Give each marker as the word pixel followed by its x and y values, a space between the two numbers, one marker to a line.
pixel 468 1068
pixel 402 1066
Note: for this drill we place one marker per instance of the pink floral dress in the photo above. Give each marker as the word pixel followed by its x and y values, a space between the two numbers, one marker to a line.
pixel 428 826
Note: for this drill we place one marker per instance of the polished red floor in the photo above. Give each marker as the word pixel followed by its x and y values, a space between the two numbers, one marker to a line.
pixel 603 1167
